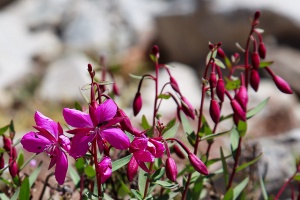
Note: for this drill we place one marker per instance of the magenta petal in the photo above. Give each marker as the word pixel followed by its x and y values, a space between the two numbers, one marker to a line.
pixel 139 143
pixel 144 156
pixel 116 137
pixel 46 123
pixel 81 143
pixel 61 167
pixel 143 166
pixel 33 142
pixel 77 118
pixel 106 111
pixel 52 161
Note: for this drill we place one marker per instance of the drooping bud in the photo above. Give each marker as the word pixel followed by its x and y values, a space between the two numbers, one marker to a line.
pixel 221 53
pixel 104 169
pixel 236 119
pixel 254 79
pixel 132 168
pixel 155 51
pixel 90 68
pixel 242 97
pixel 13 167
pixel 178 152
pixel 6 143
pixel 262 51
pixel 13 153
pixel 174 84
pixel 214 111
pixel 213 80
pixel 2 163
pixel 282 85
pixel 220 89
pixel 137 103
pixel 171 169
pixel 198 165
pixel 255 60
pixel 256 15
pixel 238 110
pixel 116 89
pixel 187 108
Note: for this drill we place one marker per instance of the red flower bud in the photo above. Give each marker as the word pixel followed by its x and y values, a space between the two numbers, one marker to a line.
pixel 213 80
pixel 132 168
pixel 220 89
pixel 137 103
pixel 104 169
pixel 6 143
pixel 242 97
pixel 262 51
pixel 254 79
pixel 126 123
pixel 2 163
pixel 214 111
pixel 198 165
pixel 13 153
pixel 238 110
pixel 187 108
pixel 155 51
pixel 178 152
pixel 282 85
pixel 236 119
pixel 174 84
pixel 255 60
pixel 256 15
pixel 116 90
pixel 13 167
pixel 171 169
pixel 221 53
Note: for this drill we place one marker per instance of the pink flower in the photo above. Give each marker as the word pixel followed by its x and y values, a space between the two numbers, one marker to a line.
pixel 146 150
pixel 49 139
pixel 104 169
pixel 95 125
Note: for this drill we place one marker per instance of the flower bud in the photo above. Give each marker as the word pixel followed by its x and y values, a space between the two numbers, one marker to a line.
pixel 262 51
pixel 236 119
pixel 13 153
pixel 221 53
pixel 174 84
pixel 132 168
pixel 213 80
pixel 13 167
pixel 137 103
pixel 220 89
pixel 116 90
pixel 255 60
pixel 242 97
pixel 90 68
pixel 155 51
pixel 2 163
pixel 254 79
pixel 171 169
pixel 238 110
pixel 6 143
pixel 198 165
pixel 282 85
pixel 214 111
pixel 256 15
pixel 178 152
pixel 104 169
pixel 187 108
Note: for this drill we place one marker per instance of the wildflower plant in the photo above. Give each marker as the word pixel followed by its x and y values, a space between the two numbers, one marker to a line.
pixel 112 159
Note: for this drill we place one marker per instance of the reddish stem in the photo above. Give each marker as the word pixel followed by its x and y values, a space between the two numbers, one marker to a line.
pixel 285 185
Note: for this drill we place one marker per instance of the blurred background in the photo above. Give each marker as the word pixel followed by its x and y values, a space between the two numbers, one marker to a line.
pixel 45 46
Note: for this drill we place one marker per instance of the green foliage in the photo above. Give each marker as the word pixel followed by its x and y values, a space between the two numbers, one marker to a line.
pixel 25 190
pixel 120 162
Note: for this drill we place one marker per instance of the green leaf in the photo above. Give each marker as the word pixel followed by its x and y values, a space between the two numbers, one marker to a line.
pixel 166 184
pixel 90 171
pixel 33 176
pixel 137 194
pixel 20 159
pixel 124 190
pixel 27 161
pixel 215 135
pixel 242 128
pixel 258 108
pixel 145 124
pixel 12 127
pixel 171 132
pixel 228 195
pixel 224 165
pixel 198 185
pixel 4 197
pixel 164 96
pixel 219 63
pixel 16 194
pixel 107 197
pixel 232 84
pixel 168 196
pixel 2 150
pixel 78 106
pixel 243 166
pixel 186 124
pixel 142 179
pixel 234 140
pixel 74 175
pixel 239 188
pixel 169 125
pixel 158 174
pixel 263 188
pixel 228 63
pixel 25 190
pixel 211 55
pixel 263 64
pixel 79 164
pixel 3 129
pixel 121 162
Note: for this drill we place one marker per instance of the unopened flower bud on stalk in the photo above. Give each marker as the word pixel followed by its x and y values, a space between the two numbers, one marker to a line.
pixel 238 110
pixel 174 84
pixel 213 80
pixel 6 143
pixel 221 53
pixel 13 167
pixel 282 85
pixel 198 165
pixel 2 163
pixel 242 97
pixel 132 168
pixel 116 89
pixel 137 103
pixel 255 60
pixel 104 169
pixel 214 111
pixel 220 89
pixel 254 79
pixel 178 152
pixel 171 169
pixel 155 51
pixel 262 51
pixel 256 15
pixel 187 108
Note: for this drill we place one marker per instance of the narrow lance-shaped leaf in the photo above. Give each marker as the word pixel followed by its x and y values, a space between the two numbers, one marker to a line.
pixel 142 179
pixel 74 175
pixel 25 190
pixel 120 163
pixel 224 165
pixel 186 124
pixel 171 132
pixel 215 135
pixel 145 124
pixel 239 188
pixel 33 176
pixel 258 108
pixel 243 166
